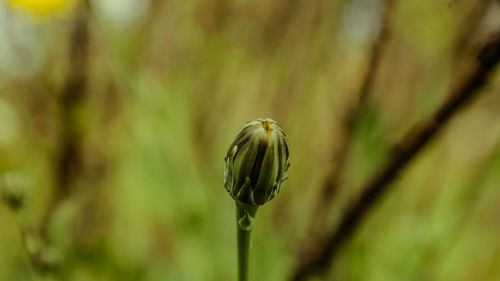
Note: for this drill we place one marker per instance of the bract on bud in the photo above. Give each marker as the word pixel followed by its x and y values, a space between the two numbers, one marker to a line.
pixel 256 162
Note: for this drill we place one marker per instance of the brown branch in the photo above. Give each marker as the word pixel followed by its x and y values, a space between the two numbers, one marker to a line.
pixel 352 116
pixel 68 158
pixel 405 151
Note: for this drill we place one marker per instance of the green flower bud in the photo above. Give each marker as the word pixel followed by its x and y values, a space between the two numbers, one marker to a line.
pixel 13 189
pixel 256 162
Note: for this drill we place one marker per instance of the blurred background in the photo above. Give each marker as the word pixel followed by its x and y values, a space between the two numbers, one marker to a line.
pixel 115 116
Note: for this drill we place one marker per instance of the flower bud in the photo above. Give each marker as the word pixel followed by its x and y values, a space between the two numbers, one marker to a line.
pixel 13 189
pixel 256 162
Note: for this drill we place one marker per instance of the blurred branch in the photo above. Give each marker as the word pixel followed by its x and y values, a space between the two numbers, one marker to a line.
pixel 68 157
pixel 351 118
pixel 405 150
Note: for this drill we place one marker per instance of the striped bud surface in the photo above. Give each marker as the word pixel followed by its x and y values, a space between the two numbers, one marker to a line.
pixel 257 162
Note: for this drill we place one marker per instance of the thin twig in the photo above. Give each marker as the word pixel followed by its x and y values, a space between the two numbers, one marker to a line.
pixel 352 116
pixel 405 151
pixel 68 162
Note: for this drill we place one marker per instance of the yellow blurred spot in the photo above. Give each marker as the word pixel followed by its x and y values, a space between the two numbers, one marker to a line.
pixel 42 7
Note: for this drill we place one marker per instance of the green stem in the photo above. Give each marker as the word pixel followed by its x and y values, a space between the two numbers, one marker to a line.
pixel 245 215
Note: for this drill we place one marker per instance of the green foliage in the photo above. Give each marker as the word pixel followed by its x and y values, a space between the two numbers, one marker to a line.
pixel 165 91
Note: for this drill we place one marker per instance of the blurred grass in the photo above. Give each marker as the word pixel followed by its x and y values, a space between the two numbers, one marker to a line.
pixel 170 82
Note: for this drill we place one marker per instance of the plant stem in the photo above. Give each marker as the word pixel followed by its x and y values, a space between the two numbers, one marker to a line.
pixel 245 215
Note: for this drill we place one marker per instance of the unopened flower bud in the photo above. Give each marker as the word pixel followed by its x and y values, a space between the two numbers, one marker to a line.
pixel 13 189
pixel 256 162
